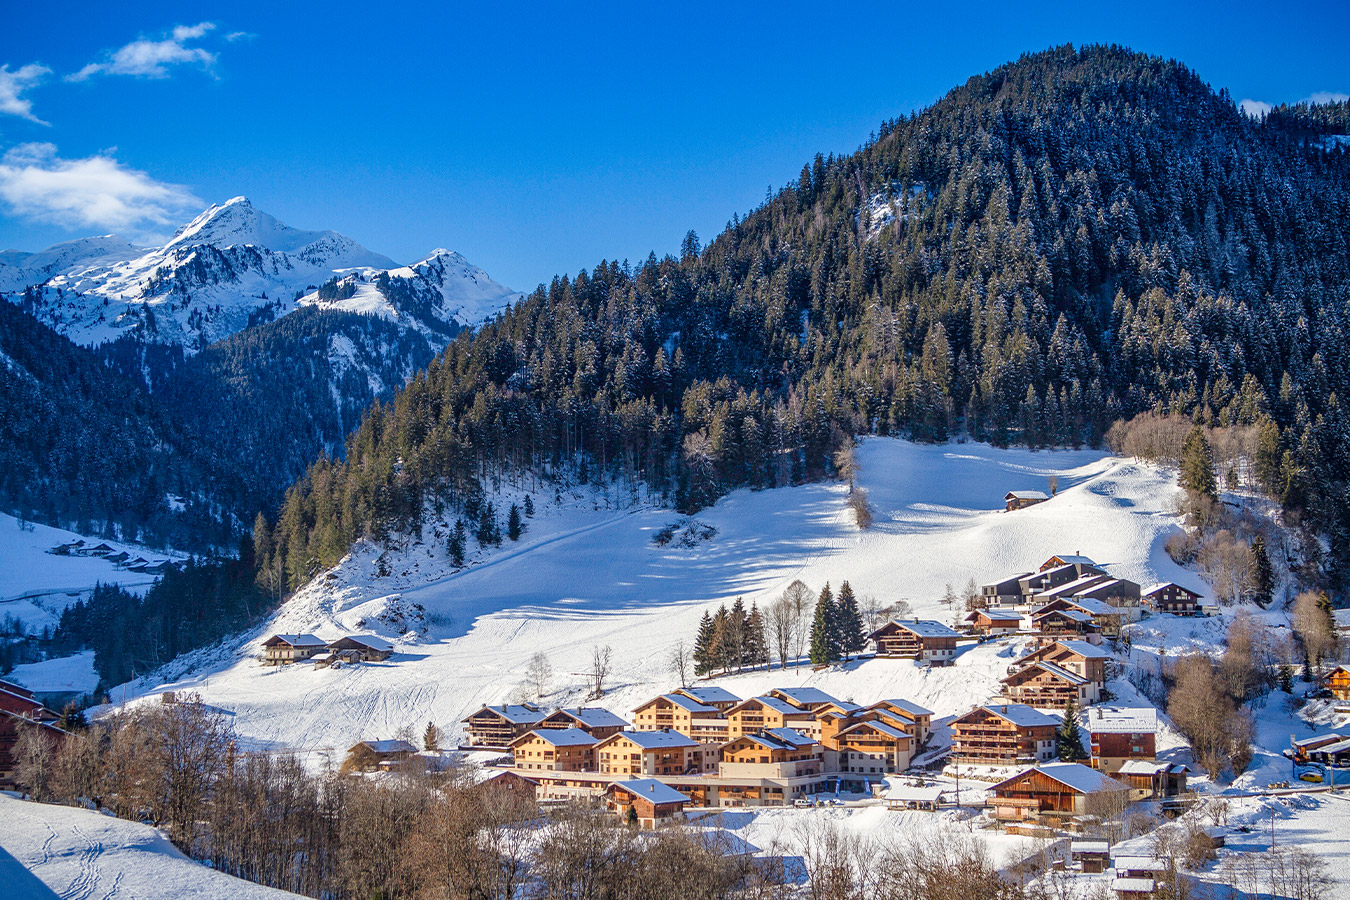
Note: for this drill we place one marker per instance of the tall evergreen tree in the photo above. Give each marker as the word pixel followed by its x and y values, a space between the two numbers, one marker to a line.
pixel 1197 465
pixel 1068 742
pixel 852 635
pixel 723 655
pixel 513 524
pixel 1263 576
pixel 736 633
pixel 824 649
pixel 756 638
pixel 456 544
pixel 703 646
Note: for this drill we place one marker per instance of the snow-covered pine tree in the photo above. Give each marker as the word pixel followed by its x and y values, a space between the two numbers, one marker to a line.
pixel 852 635
pixel 703 646
pixel 1068 744
pixel 824 649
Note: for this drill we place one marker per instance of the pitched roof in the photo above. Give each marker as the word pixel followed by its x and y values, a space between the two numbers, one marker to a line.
pixel 1092 605
pixel 710 694
pixel 1026 495
pixel 804 695
pixel 651 789
pixel 1073 615
pixel 926 628
pixel 790 736
pixel 903 706
pixel 560 737
pixel 1003 614
pixel 1048 667
pixel 1122 719
pixel 1083 649
pixel 1073 559
pixel 915 794
pixel 392 746
pixel 295 640
pixel 688 704
pixel 1149 767
pixel 888 730
pixel 1072 775
pixel 651 740
pixel 593 716
pixel 368 640
pixel 517 715
pixel 773 703
pixel 1019 714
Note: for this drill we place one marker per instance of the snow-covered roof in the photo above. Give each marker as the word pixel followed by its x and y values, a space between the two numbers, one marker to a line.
pixel 1150 590
pixel 1083 649
pixel 651 740
pixel 1001 614
pixel 1149 767
pixel 390 746
pixel 773 703
pixel 1132 885
pixel 801 695
pixel 1021 715
pixel 1139 864
pixel 1072 677
pixel 913 793
pixel 1338 747
pixel 888 730
pixel 1341 617
pixel 711 694
pixel 1071 614
pixel 297 640
pixel 1090 847
pixel 517 715
pixel 1122 719
pixel 790 736
pixel 1093 605
pixel 1072 559
pixel 561 737
pixel 1026 495
pixel 369 640
pixel 593 716
pixel 688 703
pixel 1069 587
pixel 903 706
pixel 653 790
pixel 927 628
pixel 1072 775
pixel 1319 740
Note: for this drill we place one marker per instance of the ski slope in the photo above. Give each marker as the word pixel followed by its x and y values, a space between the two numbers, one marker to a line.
pixel 59 851
pixel 587 573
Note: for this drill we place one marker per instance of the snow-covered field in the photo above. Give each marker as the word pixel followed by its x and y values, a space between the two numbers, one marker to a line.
pixel 589 574
pixel 59 851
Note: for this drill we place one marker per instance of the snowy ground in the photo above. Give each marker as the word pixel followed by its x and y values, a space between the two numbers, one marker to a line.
pixel 59 851
pixel 587 573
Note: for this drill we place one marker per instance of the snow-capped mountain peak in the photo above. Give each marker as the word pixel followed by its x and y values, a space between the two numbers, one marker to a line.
pixel 231 266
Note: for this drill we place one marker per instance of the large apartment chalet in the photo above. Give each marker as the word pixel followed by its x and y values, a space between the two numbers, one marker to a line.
pixel 649 753
pixel 495 727
pixel 928 642
pixel 596 721
pixel 1006 734
pixel 555 749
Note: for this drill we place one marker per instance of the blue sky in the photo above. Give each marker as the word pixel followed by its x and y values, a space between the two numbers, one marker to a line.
pixel 535 139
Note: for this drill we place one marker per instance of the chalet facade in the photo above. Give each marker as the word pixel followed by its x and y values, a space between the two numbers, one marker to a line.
pixel 903 714
pixel 873 748
pixel 1053 792
pixel 765 713
pixel 807 698
pixel 1003 735
pixel 719 698
pixel 1152 780
pixel 366 756
pixel 1166 597
pixel 1107 618
pixel 1065 623
pixel 993 621
pixel 1086 660
pixel 653 803
pixel 1338 682
pixel 1120 734
pixel 650 753
pixel 673 712
pixel 594 720
pixel 285 649
pixel 20 709
pixel 555 749
pixel 776 753
pixel 1014 500
pixel 927 642
pixel 362 647
pixel 1047 686
pixel 495 727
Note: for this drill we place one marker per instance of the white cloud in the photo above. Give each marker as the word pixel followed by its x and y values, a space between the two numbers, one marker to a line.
pixel 1327 97
pixel 1257 109
pixel 96 192
pixel 12 86
pixel 151 59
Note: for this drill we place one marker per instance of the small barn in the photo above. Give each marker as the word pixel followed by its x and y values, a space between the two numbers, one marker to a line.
pixel 361 648
pixel 1149 780
pixel 1091 856
pixel 1022 499
pixel 366 756
pixel 652 802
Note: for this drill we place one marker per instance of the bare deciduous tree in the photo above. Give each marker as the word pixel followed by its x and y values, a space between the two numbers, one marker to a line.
pixel 600 662
pixel 680 660
pixel 782 619
pixel 1315 628
pixel 862 511
pixel 538 673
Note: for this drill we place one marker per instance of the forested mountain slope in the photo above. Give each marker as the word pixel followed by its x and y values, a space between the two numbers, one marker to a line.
pixel 1071 238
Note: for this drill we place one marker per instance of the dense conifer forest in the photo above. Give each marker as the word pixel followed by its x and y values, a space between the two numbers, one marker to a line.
pixel 1073 238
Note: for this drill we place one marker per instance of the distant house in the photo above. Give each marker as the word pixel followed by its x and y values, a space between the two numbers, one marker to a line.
pixel 366 756
pixel 1067 559
pixel 1054 791
pixel 1021 499
pixel 649 753
pixel 1079 657
pixel 361 648
pixel 1119 734
pixel 652 802
pixel 1006 734
pixel 1093 856
pixel 1341 618
pixel 1007 592
pixel 1167 597
pixel 594 720
pixel 1152 780
pixel 993 621
pixel 284 649
pixel 926 641
pixel 1338 682
pixel 555 749
pixel 495 727
pixel 511 782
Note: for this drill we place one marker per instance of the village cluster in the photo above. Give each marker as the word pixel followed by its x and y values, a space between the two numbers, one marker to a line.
pixel 123 559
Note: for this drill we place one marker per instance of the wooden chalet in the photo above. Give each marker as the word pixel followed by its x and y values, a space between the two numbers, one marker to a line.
pixel 1006 734
pixel 648 753
pixel 1007 592
pixel 20 709
pixel 1092 856
pixel 495 727
pixel 674 712
pixel 775 753
pixel 992 621
pixel 763 713
pixel 806 698
pixel 1079 657
pixel 1120 734
pixel 1338 682
pixel 873 747
pixel 365 756
pixel 555 749
pixel 361 648
pixel 1046 686
pixel 1107 618
pixel 652 802
pixel 1065 623
pixel 1014 500
pixel 596 721
pixel 1331 749
pixel 510 782
pixel 284 649
pixel 926 641
pixel 1151 780
pixel 903 714
pixel 1054 791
